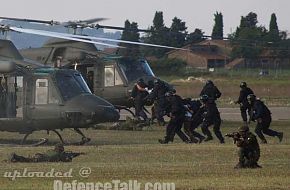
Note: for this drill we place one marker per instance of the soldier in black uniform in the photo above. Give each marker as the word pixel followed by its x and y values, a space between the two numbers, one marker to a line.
pixel 177 116
pixel 158 95
pixel 244 105
pixel 139 94
pixel 211 117
pixel 211 91
pixel 193 120
pixel 249 149
pixel 262 115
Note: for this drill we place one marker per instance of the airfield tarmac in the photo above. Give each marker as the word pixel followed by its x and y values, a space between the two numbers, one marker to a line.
pixel 234 114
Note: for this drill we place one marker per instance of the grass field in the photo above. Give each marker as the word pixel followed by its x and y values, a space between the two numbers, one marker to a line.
pixel 136 155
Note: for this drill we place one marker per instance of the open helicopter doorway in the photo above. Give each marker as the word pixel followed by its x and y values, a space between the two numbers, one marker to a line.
pixel 11 96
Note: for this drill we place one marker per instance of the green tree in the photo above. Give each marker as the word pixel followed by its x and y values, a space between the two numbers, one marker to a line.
pixel 249 21
pixel 159 35
pixel 273 35
pixel 195 37
pixel 217 31
pixel 249 39
pixel 130 33
pixel 177 33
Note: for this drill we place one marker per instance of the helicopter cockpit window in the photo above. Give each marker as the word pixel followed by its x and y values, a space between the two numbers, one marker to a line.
pixel 71 85
pixel 134 68
pixel 112 76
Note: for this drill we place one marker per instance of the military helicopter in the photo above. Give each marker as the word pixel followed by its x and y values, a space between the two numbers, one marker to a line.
pixel 34 97
pixel 110 77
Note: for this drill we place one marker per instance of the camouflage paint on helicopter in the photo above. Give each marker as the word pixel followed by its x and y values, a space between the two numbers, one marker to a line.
pixel 43 98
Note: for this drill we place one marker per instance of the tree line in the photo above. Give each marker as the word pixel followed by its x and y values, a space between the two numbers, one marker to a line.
pixel 248 40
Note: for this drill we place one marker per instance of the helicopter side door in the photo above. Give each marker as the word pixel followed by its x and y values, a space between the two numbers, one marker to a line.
pixel 11 103
pixel 114 85
pixel 45 105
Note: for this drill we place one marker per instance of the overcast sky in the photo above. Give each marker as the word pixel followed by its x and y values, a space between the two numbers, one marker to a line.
pixel 196 13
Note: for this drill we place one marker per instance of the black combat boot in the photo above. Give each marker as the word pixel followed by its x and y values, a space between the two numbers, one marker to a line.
pixel 239 165
pixel 201 138
pixel 222 141
pixel 163 141
pixel 264 141
pixel 193 140
pixel 280 136
pixel 208 138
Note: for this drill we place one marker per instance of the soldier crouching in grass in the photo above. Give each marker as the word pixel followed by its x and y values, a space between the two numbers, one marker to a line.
pixel 249 150
pixel 56 155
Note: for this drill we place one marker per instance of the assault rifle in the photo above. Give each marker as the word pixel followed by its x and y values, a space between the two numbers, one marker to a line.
pixel 235 135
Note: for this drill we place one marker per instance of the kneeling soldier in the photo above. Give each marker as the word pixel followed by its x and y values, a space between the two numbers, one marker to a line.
pixel 249 150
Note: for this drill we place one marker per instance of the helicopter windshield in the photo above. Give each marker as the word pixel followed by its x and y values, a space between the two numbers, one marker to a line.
pixel 134 69
pixel 71 85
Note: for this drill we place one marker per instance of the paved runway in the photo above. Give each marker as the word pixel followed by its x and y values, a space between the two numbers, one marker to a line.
pixel 233 114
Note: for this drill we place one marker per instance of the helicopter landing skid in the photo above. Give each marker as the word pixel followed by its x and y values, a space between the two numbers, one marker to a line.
pixel 119 108
pixel 40 142
pixel 82 142
pixel 23 144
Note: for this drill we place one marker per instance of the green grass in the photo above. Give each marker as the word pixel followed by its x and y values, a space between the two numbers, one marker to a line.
pixel 136 155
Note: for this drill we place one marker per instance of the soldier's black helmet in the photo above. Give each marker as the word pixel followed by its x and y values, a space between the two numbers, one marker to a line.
pixel 243 84
pixel 244 128
pixel 209 82
pixel 141 82
pixel 59 147
pixel 204 98
pixel 251 97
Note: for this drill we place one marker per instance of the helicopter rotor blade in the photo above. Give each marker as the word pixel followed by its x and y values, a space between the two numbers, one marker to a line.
pixel 51 22
pixel 82 23
pixel 124 41
pixel 97 26
pixel 59 35
pixel 88 38
pixel 78 23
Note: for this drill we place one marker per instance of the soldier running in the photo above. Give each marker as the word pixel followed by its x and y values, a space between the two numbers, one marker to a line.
pixel 158 95
pixel 211 91
pixel 244 104
pixel 262 115
pixel 193 119
pixel 177 116
pixel 139 93
pixel 211 117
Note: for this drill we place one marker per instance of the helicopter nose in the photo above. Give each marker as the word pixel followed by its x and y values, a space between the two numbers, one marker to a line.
pixel 94 109
pixel 105 114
